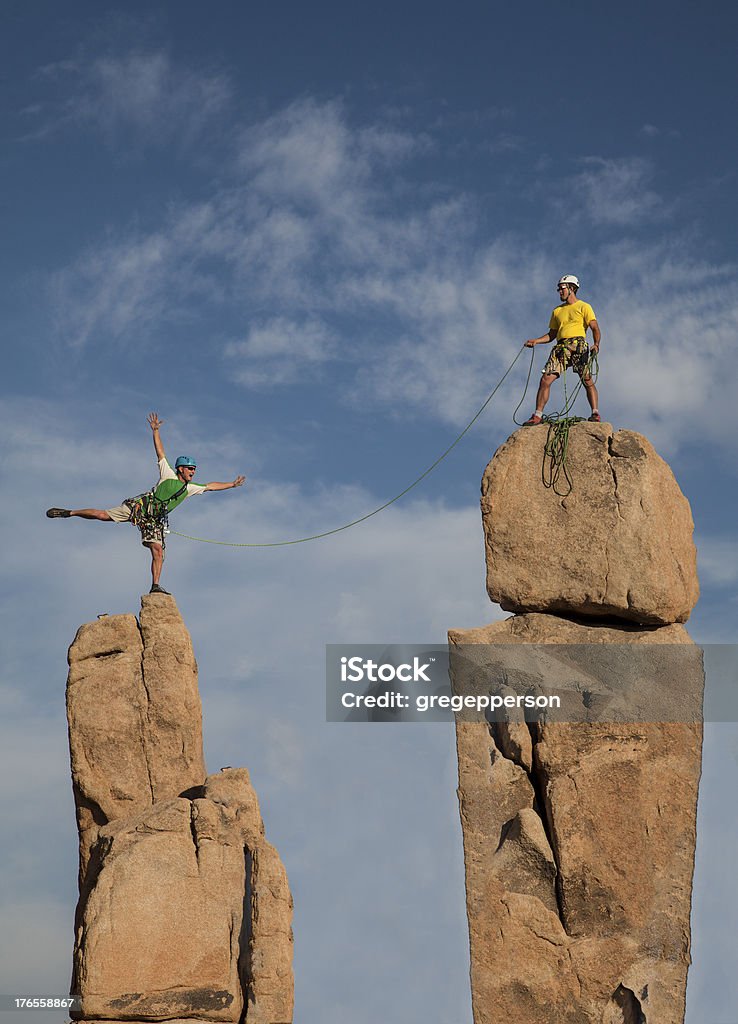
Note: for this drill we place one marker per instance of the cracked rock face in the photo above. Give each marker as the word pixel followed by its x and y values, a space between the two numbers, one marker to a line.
pixel 620 544
pixel 135 721
pixel 579 846
pixel 184 911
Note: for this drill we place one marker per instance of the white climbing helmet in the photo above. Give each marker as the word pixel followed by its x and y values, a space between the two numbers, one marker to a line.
pixel 569 279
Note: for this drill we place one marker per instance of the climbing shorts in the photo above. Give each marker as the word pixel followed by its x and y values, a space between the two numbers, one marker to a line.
pixel 151 529
pixel 119 513
pixel 572 352
pixel 152 532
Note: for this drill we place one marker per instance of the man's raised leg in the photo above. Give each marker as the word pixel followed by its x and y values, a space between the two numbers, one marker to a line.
pixel 92 513
pixel 83 513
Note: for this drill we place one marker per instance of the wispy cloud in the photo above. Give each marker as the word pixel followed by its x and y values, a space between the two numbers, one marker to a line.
pixel 652 131
pixel 309 153
pixel 280 351
pixel 669 318
pixel 121 285
pixel 143 93
pixel 313 230
pixel 616 192
pixel 307 225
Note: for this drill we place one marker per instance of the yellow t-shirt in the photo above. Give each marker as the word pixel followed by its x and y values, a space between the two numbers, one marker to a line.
pixel 571 321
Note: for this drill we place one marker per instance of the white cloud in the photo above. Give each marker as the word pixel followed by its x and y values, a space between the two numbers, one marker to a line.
pixel 302 153
pixel 308 153
pixel 279 351
pixel 116 289
pixel 149 92
pixel 142 92
pixel 310 234
pixel 307 226
pixel 652 131
pixel 615 192
pixel 668 319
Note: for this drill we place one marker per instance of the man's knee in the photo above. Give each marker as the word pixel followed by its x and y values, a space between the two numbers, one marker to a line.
pixel 548 378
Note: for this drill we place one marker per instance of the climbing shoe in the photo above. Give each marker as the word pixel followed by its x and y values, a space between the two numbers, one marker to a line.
pixel 156 589
pixel 533 421
pixel 58 513
pixel 595 418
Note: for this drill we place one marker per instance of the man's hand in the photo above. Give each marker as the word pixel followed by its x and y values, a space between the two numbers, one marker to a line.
pixel 531 342
pixel 596 347
pixel 155 423
pixel 238 481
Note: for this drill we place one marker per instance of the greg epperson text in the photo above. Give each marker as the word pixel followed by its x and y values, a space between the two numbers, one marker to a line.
pixel 449 702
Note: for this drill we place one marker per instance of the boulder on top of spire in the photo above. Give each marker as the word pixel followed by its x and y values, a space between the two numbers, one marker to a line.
pixel 619 544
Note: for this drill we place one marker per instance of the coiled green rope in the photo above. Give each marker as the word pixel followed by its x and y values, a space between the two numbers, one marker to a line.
pixel 556 449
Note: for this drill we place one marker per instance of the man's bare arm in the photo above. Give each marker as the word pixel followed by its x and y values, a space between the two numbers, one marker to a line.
pixel 596 335
pixel 216 485
pixel 542 340
pixel 155 423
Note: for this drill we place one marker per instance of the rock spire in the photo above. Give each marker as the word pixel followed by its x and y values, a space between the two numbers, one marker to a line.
pixel 184 910
pixel 579 836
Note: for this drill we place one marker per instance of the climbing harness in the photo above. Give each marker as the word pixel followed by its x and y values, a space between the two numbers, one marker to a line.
pixel 556 449
pixel 151 514
pixel 362 519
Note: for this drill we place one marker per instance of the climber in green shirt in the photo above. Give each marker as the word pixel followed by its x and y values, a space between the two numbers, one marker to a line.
pixel 149 511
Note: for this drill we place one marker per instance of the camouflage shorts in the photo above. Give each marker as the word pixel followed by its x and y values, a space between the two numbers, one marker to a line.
pixel 571 353
pixel 151 529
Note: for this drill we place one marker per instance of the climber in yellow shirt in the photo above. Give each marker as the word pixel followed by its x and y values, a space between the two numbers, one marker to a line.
pixel 568 327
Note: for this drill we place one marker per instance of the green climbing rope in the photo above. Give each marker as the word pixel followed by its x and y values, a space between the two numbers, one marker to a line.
pixel 362 519
pixel 556 449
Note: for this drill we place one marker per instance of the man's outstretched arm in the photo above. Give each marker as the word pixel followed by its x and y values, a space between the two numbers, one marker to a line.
pixel 217 486
pixel 155 423
pixel 542 340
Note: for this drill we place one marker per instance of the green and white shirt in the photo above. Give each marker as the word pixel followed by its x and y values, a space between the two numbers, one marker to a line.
pixel 169 484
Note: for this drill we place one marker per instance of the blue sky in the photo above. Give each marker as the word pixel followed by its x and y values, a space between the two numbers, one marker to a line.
pixel 312 237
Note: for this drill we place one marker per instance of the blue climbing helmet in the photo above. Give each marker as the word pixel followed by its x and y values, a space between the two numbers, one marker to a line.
pixel 185 460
